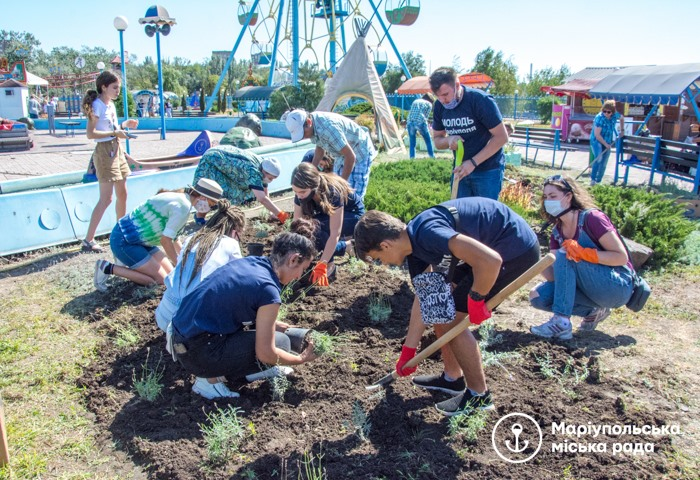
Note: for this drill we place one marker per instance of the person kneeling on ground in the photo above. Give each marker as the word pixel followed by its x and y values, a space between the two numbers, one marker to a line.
pixel 229 322
pixel 202 253
pixel 243 176
pixel 592 272
pixel 135 238
pixel 496 246
pixel 327 198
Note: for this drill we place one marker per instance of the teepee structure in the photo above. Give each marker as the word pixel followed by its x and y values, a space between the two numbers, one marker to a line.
pixel 357 77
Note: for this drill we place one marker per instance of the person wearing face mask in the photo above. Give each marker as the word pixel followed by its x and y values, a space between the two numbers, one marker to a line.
pixel 495 245
pixel 329 200
pixel 592 272
pixel 471 117
pixel 158 221
pixel 243 176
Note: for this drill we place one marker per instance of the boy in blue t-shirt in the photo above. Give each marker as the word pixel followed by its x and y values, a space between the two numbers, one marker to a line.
pixel 496 246
pixel 472 117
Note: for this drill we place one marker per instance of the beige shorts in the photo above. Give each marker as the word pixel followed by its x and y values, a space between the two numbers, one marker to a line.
pixel 110 161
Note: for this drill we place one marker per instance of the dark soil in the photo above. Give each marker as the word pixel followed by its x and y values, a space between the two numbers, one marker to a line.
pixel 408 439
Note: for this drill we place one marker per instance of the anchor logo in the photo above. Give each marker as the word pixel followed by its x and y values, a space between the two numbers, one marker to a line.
pixel 521 427
pixel 517 429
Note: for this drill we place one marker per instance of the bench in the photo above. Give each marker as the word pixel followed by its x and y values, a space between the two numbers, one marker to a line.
pixel 69 126
pixel 671 159
pixel 15 139
pixel 540 138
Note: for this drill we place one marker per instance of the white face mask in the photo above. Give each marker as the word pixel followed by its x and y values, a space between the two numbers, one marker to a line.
pixel 202 206
pixel 553 207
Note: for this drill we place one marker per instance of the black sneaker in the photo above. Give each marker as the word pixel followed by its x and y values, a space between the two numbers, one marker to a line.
pixel 465 404
pixel 438 382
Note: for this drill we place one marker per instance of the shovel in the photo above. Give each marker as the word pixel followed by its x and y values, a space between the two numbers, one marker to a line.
pixel 528 275
pixel 595 160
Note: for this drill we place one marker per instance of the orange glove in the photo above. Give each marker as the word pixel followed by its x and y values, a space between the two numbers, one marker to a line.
pixel 407 353
pixel 576 252
pixel 282 216
pixel 319 275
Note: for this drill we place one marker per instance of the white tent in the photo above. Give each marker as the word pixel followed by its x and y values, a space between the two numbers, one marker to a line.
pixel 357 77
pixel 34 80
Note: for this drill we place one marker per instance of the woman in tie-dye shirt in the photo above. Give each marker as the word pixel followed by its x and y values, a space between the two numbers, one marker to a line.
pixel 157 221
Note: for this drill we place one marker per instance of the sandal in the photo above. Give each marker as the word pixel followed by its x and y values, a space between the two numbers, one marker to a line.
pixel 92 246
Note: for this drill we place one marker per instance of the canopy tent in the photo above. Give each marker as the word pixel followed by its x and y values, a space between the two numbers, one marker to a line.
pixel 253 93
pixel 421 84
pixel 357 77
pixel 652 84
pixel 35 80
pixel 580 83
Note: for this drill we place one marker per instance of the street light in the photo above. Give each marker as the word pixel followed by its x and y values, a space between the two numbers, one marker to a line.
pixel 121 24
pixel 157 21
pixel 403 79
pixel 100 66
pixel 515 107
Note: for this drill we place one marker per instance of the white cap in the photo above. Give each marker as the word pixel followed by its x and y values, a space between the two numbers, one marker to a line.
pixel 295 124
pixel 272 166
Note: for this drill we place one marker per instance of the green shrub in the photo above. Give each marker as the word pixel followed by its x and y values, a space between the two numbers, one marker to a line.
pixel 544 108
pixel 359 109
pixel 407 187
pixel 648 218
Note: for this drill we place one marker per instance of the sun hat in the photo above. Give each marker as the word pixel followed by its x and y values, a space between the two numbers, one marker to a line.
pixel 295 124
pixel 272 166
pixel 208 188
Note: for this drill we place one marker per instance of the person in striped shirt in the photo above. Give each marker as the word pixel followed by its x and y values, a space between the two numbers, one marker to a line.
pixel 418 123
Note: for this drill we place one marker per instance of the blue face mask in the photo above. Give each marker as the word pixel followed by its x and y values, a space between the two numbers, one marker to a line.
pixel 455 101
pixel 553 207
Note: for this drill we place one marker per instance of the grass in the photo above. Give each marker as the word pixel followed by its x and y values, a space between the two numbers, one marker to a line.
pixel 568 378
pixel 468 426
pixel 311 467
pixel 126 336
pixel 379 308
pixel 359 421
pixel 488 338
pixel 147 384
pixel 223 434
pixel 279 385
pixel 262 229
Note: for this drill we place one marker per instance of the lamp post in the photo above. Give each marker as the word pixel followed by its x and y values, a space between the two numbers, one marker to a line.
pixel 403 79
pixel 121 24
pixel 100 66
pixel 157 21
pixel 515 107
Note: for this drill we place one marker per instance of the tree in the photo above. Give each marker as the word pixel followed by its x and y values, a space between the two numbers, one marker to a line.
pixel 391 80
pixel 17 46
pixel 545 77
pixel 503 72
pixel 306 96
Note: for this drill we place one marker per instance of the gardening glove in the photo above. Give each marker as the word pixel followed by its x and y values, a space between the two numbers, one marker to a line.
pixel 407 353
pixel 477 311
pixel 576 252
pixel 282 216
pixel 319 275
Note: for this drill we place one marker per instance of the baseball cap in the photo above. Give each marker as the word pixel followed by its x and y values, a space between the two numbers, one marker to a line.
pixel 209 189
pixel 272 166
pixel 295 124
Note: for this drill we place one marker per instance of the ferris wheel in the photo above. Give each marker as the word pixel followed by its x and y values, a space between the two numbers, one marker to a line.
pixel 287 33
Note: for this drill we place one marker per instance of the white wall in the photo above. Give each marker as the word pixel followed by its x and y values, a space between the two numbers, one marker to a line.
pixel 14 106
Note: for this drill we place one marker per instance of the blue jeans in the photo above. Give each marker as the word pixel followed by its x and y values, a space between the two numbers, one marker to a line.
pixel 482 184
pixel 579 288
pixel 598 168
pixel 133 255
pixel 412 131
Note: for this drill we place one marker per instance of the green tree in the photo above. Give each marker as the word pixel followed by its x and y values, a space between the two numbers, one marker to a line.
pixel 17 46
pixel 502 71
pixel 306 96
pixel 545 77
pixel 391 80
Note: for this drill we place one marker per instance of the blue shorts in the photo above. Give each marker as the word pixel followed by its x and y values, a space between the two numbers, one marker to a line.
pixel 132 255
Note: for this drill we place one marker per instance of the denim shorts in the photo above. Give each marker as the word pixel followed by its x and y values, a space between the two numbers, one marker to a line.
pixel 132 255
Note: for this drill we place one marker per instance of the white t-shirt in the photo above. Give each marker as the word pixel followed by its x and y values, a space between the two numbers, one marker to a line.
pixel 177 286
pixel 107 118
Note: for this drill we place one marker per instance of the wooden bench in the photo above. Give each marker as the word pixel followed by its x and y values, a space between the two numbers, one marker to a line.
pixel 540 139
pixel 69 126
pixel 657 156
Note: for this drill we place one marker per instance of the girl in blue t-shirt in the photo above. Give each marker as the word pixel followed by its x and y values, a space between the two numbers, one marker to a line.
pixel 328 199
pixel 592 272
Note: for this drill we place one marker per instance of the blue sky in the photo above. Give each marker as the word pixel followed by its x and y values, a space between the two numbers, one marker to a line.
pixel 544 33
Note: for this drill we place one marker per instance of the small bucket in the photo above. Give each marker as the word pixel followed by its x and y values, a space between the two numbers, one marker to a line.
pixel 297 338
pixel 255 249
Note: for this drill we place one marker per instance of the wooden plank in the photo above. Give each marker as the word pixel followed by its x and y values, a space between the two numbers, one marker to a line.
pixel 4 447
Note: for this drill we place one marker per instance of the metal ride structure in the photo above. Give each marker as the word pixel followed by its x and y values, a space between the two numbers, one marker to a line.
pixel 287 33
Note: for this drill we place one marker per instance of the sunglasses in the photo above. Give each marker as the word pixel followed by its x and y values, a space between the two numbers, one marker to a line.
pixel 607 111
pixel 558 179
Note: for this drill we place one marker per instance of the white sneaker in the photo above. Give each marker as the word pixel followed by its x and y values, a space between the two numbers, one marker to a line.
pixel 557 327
pixel 590 322
pixel 100 278
pixel 276 371
pixel 212 390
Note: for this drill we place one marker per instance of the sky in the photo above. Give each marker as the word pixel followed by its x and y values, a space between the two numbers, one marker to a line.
pixel 532 34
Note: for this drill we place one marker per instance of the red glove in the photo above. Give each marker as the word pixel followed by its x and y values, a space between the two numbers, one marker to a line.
pixel 576 252
pixel 477 311
pixel 319 275
pixel 282 216
pixel 407 353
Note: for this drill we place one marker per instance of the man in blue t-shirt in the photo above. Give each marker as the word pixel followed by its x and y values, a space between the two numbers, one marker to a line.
pixel 472 117
pixel 496 246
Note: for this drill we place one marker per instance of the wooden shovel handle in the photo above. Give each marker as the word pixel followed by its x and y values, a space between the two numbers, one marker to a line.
pixel 4 448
